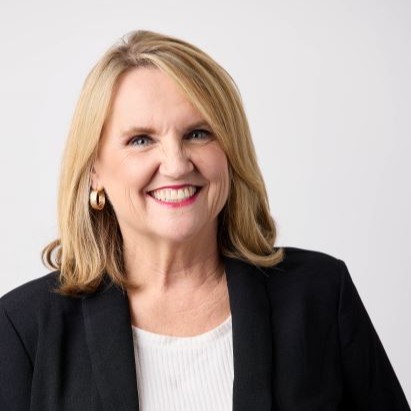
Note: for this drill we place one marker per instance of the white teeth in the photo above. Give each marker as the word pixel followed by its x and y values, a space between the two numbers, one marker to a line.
pixel 171 195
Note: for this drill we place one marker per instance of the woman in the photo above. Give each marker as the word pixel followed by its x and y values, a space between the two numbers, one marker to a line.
pixel 168 292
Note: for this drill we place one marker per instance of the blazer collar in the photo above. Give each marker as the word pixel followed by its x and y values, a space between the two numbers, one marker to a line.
pixel 110 340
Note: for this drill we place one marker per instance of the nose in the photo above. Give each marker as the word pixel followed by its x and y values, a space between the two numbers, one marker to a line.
pixel 176 162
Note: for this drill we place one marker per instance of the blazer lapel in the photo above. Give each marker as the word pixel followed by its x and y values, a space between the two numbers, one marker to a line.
pixel 252 338
pixel 110 341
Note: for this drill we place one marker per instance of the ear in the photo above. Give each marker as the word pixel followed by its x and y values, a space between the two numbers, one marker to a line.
pixel 95 180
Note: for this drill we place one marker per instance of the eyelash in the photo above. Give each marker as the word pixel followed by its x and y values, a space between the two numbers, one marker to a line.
pixel 206 132
pixel 136 138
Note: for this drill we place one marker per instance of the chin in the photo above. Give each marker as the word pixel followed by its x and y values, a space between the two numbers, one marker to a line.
pixel 181 233
pixel 178 237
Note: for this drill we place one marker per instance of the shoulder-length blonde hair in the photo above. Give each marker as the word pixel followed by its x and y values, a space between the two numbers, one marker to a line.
pixel 90 241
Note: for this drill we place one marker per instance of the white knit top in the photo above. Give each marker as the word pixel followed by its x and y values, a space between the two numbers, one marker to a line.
pixel 185 373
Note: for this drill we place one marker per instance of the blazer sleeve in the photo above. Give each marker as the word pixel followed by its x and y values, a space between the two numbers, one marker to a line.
pixel 370 382
pixel 15 367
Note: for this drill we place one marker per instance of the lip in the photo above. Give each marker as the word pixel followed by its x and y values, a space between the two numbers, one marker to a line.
pixel 174 204
pixel 175 187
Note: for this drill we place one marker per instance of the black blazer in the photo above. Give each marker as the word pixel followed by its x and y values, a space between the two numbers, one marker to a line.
pixel 302 340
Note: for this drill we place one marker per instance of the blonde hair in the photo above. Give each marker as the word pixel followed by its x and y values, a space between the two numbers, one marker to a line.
pixel 90 241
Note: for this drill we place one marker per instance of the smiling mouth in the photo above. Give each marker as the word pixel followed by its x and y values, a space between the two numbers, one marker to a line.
pixel 175 195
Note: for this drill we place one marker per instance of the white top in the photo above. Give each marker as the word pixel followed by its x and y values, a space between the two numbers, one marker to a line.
pixel 185 373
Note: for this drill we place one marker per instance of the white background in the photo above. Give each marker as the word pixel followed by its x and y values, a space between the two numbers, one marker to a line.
pixel 326 85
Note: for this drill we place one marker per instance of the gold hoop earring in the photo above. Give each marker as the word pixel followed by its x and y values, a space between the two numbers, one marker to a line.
pixel 97 199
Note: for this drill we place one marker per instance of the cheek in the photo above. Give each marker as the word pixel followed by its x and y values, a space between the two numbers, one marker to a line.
pixel 215 169
pixel 222 176
pixel 124 176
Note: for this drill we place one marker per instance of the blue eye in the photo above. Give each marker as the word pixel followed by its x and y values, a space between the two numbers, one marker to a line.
pixel 140 141
pixel 199 134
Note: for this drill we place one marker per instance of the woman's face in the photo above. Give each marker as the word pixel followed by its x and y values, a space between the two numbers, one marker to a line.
pixel 162 169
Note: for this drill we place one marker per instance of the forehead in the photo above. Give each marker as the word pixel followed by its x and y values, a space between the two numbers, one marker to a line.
pixel 148 96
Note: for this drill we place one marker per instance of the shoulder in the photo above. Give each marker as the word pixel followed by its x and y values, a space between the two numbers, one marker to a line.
pixel 32 295
pixel 38 296
pixel 302 259
pixel 307 274
pixel 33 286
pixel 310 264
pixel 33 307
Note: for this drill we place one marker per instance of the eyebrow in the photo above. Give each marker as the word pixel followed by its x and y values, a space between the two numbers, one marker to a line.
pixel 132 131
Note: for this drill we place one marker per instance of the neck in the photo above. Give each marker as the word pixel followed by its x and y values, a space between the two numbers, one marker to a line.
pixel 161 266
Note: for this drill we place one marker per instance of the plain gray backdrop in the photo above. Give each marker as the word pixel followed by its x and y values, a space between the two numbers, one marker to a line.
pixel 326 86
